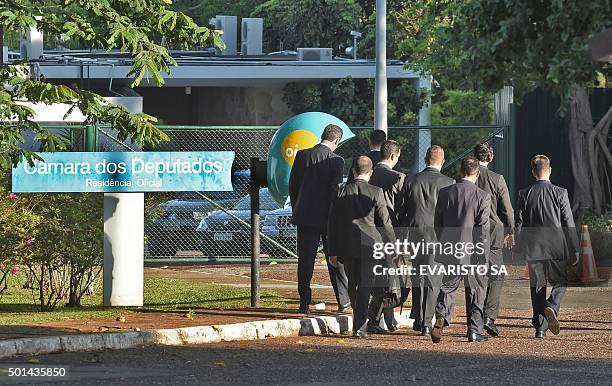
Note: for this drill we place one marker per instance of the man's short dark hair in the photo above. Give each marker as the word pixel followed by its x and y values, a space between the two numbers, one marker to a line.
pixel 363 165
pixel 389 147
pixel 540 164
pixel 483 152
pixel 434 155
pixel 377 137
pixel 331 133
pixel 469 166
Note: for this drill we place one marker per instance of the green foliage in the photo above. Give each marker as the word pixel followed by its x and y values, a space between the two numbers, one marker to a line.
pixel 132 26
pixel 58 237
pixel 308 23
pixel 484 45
pixel 203 10
pixel 600 229
pixel 352 100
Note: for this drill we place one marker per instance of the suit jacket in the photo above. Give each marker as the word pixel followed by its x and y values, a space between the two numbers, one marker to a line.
pixel 374 156
pixel 358 218
pixel 392 184
pixel 501 213
pixel 462 216
pixel 545 223
pixel 421 196
pixel 313 182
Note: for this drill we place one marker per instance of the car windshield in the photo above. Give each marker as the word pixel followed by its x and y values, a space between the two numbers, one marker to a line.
pixel 265 202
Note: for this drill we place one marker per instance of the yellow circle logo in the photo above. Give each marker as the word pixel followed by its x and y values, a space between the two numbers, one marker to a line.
pixel 297 140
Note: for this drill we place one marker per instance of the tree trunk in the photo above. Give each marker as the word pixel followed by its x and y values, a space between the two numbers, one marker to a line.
pixel 590 156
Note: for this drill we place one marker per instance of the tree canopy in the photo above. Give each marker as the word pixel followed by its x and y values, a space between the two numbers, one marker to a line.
pixel 485 45
pixel 134 26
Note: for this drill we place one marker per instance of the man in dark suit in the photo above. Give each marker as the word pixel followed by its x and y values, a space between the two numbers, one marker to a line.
pixel 462 220
pixel 313 183
pixel 421 195
pixel 501 222
pixel 392 183
pixel 377 137
pixel 547 239
pixel 358 219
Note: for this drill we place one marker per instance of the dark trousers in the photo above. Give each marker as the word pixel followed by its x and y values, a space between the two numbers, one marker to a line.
pixel 360 278
pixel 375 309
pixel 495 284
pixel 475 291
pixel 425 289
pixel 541 272
pixel 307 244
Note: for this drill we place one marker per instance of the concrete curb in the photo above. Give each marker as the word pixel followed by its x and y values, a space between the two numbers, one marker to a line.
pixel 318 325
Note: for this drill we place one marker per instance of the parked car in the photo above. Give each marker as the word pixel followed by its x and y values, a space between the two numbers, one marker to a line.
pixel 221 234
pixel 278 226
pixel 171 225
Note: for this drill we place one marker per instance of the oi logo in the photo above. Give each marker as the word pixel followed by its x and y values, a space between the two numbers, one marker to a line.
pixel 297 140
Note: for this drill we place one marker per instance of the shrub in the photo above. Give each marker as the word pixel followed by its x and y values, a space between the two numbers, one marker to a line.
pixel 600 230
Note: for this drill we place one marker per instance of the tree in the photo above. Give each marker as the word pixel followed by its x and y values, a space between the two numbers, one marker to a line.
pixel 308 23
pixel 484 45
pixel 135 26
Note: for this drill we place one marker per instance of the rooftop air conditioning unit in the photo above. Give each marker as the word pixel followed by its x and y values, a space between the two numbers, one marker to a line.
pixel 315 54
pixel 252 36
pixel 31 43
pixel 229 26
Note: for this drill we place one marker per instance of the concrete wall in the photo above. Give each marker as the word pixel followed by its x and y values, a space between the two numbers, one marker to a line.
pixel 225 106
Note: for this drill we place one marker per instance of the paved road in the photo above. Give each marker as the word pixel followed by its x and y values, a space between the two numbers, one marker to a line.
pixel 389 359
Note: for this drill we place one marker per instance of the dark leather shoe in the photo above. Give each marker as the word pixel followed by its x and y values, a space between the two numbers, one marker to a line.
pixel 417 327
pixel 360 334
pixel 426 331
pixel 491 328
pixel 553 322
pixel 393 327
pixel 540 334
pixel 304 310
pixel 373 329
pixel 475 337
pixel 436 332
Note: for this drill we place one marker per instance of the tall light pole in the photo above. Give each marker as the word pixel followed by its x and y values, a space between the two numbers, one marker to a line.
pixel 380 92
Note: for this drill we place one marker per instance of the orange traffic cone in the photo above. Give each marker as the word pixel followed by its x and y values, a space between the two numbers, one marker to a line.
pixel 588 269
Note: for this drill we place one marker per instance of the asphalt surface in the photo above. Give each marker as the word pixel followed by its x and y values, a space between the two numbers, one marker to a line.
pixel 401 358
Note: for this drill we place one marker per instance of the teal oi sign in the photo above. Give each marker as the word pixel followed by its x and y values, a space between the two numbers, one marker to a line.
pixel 126 172
pixel 300 132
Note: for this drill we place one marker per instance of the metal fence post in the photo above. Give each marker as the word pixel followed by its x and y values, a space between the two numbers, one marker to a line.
pixel 511 153
pixel 255 240
pixel 91 140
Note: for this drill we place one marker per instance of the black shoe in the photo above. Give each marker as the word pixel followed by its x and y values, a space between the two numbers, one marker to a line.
pixel 540 334
pixel 475 337
pixel 426 331
pixel 436 332
pixel 304 310
pixel 345 307
pixel 392 327
pixel 360 334
pixel 417 327
pixel 373 329
pixel 553 322
pixel 491 328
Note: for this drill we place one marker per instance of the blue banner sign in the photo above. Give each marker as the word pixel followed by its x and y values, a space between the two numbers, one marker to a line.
pixel 126 172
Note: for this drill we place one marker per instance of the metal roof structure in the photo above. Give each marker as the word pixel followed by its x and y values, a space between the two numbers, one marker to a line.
pixel 200 69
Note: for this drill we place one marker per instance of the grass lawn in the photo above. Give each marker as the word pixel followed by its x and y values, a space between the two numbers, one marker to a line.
pixel 17 305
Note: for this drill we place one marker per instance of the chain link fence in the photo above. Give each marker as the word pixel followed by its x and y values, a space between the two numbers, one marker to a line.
pixel 216 224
